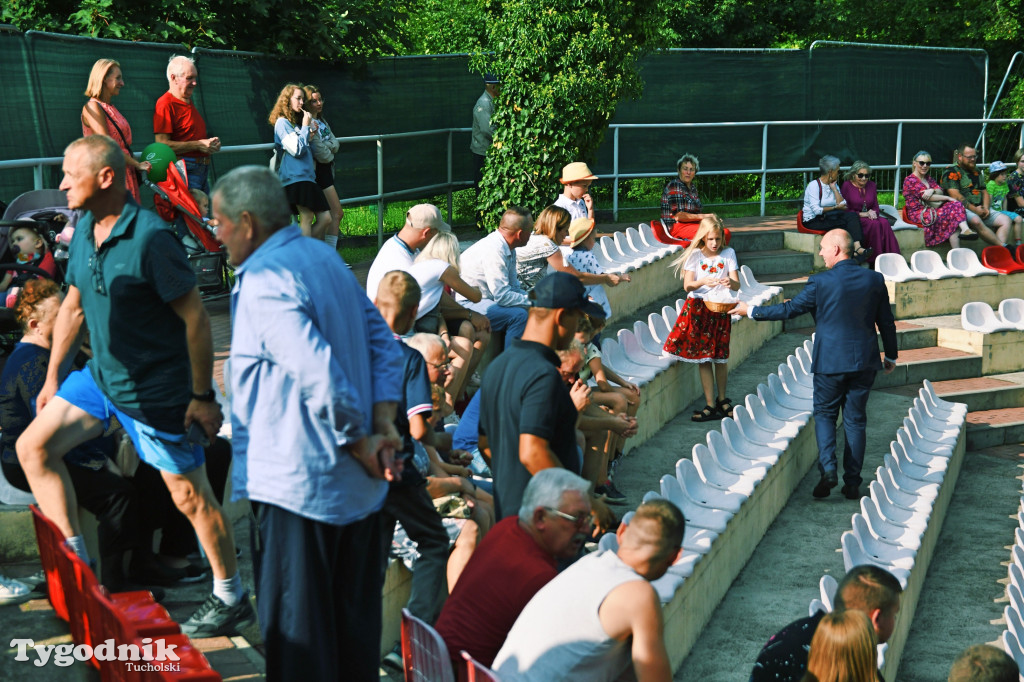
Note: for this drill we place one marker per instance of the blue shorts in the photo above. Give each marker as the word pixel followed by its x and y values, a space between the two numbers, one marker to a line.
pixel 1008 214
pixel 164 451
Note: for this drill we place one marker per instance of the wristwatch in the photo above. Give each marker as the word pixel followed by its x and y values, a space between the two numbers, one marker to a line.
pixel 208 397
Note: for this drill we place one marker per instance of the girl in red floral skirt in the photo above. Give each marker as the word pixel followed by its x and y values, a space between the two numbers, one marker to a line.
pixel 700 335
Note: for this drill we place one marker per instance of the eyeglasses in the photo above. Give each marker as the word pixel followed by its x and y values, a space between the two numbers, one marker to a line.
pixel 972 157
pixel 863 175
pixel 923 163
pixel 581 519
pixel 444 368
pixel 96 265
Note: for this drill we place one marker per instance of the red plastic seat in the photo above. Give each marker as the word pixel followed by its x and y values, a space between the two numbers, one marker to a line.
pixel 477 671
pixel 424 652
pixel 1019 254
pixel 662 235
pixel 50 540
pixel 800 225
pixel 906 218
pixel 1000 259
pixel 126 617
pixel 191 664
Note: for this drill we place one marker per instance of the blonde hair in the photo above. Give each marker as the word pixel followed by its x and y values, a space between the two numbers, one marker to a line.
pixel 551 221
pixel 281 106
pixel 707 226
pixel 99 74
pixel 844 648
pixel 443 246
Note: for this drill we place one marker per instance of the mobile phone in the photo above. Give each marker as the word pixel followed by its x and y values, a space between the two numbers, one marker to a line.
pixel 197 436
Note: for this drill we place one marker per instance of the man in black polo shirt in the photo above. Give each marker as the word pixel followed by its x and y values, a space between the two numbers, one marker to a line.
pixel 527 418
pixel 152 366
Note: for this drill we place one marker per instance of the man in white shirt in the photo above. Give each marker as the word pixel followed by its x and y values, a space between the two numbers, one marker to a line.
pixel 490 266
pixel 422 222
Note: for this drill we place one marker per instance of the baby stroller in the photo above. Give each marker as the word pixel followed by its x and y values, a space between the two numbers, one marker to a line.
pixel 175 204
pixel 46 212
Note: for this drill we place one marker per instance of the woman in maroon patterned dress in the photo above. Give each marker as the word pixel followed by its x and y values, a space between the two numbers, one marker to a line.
pixel 949 221
pixel 100 117
pixel 861 196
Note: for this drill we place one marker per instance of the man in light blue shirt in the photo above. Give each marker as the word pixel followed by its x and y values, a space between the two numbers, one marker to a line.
pixel 315 376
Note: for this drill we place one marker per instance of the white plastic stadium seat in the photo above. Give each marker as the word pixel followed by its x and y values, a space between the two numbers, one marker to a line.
pixel 894 268
pixel 792 383
pixel 929 264
pixel 660 329
pixel 900 224
pixel 895 513
pixel 978 316
pixel 854 555
pixel 901 536
pixel 933 429
pixel 635 352
pixel 800 372
pixel 907 492
pixel 816 606
pixel 636 240
pixel 690 480
pixel 712 472
pixel 1011 312
pixel 965 261
pixel 613 356
pixel 785 397
pixel 651 345
pixel 879 546
pixel 929 394
pixel 606 246
pixel 762 453
pixel 755 433
pixel 697 514
pixel 730 460
pixel 911 470
pixel 828 586
pixel 888 515
pixel 647 233
pixel 1013 648
pixel 749 282
pixel 640 258
pixel 759 412
pixel 782 412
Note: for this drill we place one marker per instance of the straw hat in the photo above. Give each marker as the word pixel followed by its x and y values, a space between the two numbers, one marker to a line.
pixel 579 230
pixel 575 172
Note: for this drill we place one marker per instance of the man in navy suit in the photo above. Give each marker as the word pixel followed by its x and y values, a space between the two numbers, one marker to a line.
pixel 848 302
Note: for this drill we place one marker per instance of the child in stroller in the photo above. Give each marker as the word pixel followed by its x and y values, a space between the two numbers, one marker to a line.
pixel 28 248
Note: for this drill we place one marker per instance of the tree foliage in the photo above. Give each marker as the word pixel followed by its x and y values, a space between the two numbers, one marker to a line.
pixel 352 29
pixel 563 71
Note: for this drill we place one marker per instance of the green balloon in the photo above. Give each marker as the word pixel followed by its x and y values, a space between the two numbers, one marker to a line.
pixel 160 156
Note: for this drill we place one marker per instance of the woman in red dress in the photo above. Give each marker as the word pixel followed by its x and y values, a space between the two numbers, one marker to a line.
pixel 948 221
pixel 100 117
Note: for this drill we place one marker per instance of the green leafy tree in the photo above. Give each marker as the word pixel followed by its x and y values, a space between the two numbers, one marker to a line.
pixel 564 67
pixel 353 29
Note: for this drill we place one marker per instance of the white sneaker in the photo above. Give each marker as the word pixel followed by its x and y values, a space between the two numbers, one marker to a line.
pixel 13 592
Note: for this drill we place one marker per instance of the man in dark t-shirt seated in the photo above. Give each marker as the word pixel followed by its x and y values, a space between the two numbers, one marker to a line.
pixel 519 556
pixel 866 588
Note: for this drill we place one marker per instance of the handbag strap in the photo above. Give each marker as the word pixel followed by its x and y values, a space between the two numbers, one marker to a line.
pixel 112 122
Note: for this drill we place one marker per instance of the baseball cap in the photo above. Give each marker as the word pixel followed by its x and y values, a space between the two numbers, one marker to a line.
pixel 491 79
pixel 562 290
pixel 423 216
pixel 996 167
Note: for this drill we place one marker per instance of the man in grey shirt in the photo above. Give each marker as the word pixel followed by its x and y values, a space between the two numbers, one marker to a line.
pixel 483 132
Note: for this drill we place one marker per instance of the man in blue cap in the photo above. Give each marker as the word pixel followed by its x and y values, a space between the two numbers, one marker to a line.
pixel 527 417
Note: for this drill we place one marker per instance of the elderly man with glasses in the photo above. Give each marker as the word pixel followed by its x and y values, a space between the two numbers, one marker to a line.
pixel 962 181
pixel 520 555
pixel 178 123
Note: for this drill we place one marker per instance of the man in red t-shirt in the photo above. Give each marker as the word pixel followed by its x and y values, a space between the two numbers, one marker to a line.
pixel 177 123
pixel 514 560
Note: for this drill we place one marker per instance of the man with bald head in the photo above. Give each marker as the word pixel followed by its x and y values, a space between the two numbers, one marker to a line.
pixel 490 266
pixel 178 124
pixel 601 613
pixel 848 303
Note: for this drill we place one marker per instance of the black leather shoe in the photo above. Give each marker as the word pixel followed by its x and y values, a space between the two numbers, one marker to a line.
pixel 828 481
pixel 852 492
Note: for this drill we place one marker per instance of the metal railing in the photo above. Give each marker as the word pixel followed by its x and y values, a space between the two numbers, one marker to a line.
pixel 764 169
pixel 380 197
pixel 449 185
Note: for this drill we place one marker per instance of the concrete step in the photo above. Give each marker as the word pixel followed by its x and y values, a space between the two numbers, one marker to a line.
pixel 990 428
pixel 775 261
pixel 757 240
pixel 908 336
pixel 996 392
pixel 933 363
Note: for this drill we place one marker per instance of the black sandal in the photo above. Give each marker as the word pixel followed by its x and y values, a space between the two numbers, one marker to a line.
pixel 724 406
pixel 707 414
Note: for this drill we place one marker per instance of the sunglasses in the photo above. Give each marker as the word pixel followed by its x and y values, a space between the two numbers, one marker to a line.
pixel 863 175
pixel 923 163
